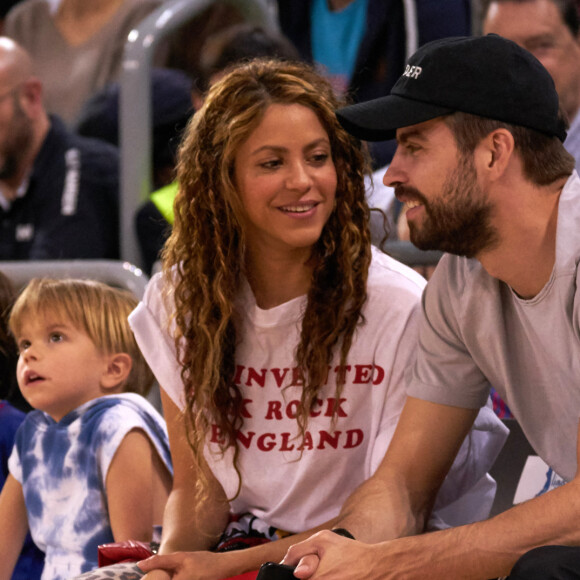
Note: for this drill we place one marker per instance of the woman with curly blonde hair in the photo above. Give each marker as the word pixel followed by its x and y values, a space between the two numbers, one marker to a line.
pixel 278 336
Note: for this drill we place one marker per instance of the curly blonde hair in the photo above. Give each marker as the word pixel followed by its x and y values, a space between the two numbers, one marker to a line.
pixel 205 254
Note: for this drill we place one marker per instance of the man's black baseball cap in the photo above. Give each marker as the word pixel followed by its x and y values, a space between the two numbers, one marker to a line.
pixel 489 76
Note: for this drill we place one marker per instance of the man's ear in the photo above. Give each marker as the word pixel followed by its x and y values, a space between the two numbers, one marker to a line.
pixel 494 153
pixel 30 96
pixel 119 367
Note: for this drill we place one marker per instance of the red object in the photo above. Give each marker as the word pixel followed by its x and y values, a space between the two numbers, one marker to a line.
pixel 246 576
pixel 120 552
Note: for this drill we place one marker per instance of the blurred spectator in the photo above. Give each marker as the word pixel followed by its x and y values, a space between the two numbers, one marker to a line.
pixel 235 44
pixel 362 44
pixel 5 7
pixel 171 109
pixel 30 563
pixel 186 43
pixel 549 30
pixel 76 45
pixel 8 350
pixel 58 191
pixel 171 97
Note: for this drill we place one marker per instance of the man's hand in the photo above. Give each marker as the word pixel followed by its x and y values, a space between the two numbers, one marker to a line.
pixel 327 555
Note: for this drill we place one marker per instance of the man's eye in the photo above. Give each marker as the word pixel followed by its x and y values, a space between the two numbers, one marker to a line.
pixel 541 46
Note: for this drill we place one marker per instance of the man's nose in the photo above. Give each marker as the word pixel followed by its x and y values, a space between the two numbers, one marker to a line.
pixel 394 174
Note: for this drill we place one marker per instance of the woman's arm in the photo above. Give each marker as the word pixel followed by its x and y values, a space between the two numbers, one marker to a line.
pixel 184 526
pixel 14 526
pixel 187 532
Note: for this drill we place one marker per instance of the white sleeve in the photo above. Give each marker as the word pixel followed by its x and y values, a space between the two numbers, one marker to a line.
pixel 151 326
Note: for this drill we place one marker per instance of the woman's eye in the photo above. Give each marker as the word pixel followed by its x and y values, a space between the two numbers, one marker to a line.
pixel 271 164
pixel 320 158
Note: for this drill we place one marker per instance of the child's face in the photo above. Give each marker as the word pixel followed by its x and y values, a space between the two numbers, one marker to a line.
pixel 59 367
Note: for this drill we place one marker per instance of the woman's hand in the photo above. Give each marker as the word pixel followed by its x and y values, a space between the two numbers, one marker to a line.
pixel 188 566
pixel 157 575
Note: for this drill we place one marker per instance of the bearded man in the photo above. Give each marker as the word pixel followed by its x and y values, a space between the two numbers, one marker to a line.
pixel 58 191
pixel 481 163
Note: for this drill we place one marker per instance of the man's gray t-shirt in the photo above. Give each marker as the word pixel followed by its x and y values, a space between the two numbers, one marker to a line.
pixel 477 332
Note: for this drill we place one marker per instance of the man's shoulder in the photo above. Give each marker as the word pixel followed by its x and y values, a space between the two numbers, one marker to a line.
pixel 571 189
pixel 94 150
pixel 65 154
pixel 63 151
pixel 572 142
pixel 456 279
pixel 568 233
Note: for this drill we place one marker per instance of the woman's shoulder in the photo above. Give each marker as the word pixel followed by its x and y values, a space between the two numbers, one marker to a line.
pixel 157 291
pixel 387 275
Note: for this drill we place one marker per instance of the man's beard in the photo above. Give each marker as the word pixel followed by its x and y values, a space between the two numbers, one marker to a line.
pixel 459 221
pixel 8 166
pixel 19 141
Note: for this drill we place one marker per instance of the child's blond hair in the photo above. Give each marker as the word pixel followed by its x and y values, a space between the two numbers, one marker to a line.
pixel 99 310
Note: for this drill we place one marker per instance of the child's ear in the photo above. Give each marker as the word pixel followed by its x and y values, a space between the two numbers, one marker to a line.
pixel 118 368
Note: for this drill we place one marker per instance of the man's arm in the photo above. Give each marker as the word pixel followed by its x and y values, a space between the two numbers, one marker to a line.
pixel 486 549
pixel 397 500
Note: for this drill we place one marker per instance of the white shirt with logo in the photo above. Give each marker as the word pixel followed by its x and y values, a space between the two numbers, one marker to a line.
pixel 292 483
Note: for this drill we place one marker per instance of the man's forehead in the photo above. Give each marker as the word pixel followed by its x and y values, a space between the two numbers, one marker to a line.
pixel 427 130
pixel 10 77
pixel 520 21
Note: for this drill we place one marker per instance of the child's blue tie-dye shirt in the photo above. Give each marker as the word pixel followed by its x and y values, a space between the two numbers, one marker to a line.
pixel 63 468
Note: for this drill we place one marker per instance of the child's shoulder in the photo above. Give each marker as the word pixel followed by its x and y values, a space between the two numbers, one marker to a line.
pixel 117 415
pixel 120 410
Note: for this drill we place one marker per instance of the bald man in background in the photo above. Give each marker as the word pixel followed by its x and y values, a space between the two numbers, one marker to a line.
pixel 58 191
pixel 549 29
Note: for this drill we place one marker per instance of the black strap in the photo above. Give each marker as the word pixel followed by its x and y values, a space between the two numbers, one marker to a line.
pixel 343 532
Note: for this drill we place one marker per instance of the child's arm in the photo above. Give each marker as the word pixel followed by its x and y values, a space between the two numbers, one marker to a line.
pixel 137 484
pixel 14 526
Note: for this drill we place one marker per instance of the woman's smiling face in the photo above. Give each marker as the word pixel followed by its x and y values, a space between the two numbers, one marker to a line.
pixel 286 180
